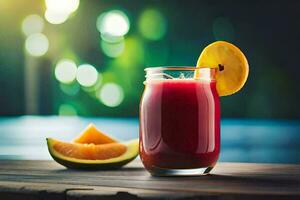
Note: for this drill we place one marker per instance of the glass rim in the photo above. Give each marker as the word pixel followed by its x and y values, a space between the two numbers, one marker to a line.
pixel 176 68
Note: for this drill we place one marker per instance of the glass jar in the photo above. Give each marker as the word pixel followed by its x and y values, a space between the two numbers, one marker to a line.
pixel 179 121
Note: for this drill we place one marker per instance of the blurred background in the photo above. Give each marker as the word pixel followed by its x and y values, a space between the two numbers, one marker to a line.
pixel 84 57
pixel 87 58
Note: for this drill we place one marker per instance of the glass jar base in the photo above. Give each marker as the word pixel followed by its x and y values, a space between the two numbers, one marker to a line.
pixel 155 171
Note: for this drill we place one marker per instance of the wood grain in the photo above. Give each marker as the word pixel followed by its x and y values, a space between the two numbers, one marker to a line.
pixel 47 179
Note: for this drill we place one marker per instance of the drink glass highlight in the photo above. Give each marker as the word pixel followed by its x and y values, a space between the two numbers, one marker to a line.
pixel 179 121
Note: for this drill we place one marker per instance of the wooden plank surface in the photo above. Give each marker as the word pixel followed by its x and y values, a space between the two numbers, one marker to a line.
pixel 48 180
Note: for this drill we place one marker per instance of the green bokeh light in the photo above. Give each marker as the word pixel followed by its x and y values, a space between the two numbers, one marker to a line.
pixel 112 50
pixel 111 39
pixel 152 24
pixel 70 89
pixel 133 53
pixel 87 75
pixel 32 24
pixel 54 17
pixel 114 23
pixel 37 44
pixel 60 6
pixel 109 76
pixel 65 71
pixel 111 94
pixel 67 110
pixel 96 86
pixel 58 11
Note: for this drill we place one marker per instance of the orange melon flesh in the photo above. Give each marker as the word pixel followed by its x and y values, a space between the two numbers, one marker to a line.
pixel 89 151
pixel 91 135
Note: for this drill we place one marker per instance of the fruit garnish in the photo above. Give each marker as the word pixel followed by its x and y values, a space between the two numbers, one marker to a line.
pixel 89 151
pixel 91 156
pixel 94 150
pixel 91 135
pixel 231 66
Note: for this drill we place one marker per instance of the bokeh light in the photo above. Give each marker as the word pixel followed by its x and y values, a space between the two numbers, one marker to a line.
pixel 114 23
pixel 112 50
pixel 95 87
pixel 66 110
pixel 152 24
pixel 62 6
pixel 65 71
pixel 111 95
pixel 223 29
pixel 54 17
pixel 58 11
pixel 111 39
pixel 87 75
pixel 133 54
pixel 70 89
pixel 32 24
pixel 37 44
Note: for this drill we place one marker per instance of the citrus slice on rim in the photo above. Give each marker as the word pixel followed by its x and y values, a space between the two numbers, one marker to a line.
pixel 231 64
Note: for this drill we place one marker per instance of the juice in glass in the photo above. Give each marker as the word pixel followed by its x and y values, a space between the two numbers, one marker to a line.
pixel 179 121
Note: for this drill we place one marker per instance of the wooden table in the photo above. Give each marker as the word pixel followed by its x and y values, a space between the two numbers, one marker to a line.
pixel 31 180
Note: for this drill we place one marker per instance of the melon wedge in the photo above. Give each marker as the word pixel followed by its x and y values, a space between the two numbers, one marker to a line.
pixel 91 135
pixel 91 156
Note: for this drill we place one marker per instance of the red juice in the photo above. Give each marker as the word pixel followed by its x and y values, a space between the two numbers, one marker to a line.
pixel 179 124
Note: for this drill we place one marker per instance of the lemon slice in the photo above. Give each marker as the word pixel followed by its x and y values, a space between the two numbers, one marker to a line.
pixel 231 64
